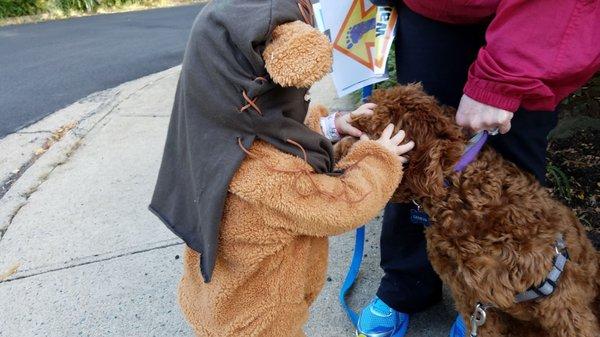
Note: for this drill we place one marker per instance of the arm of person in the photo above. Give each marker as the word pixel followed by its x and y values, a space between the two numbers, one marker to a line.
pixel 536 53
pixel 336 125
pixel 322 205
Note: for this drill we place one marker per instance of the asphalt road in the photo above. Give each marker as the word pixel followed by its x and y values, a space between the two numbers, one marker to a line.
pixel 47 66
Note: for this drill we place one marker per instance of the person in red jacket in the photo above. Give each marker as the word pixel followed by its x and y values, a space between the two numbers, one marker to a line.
pixel 505 65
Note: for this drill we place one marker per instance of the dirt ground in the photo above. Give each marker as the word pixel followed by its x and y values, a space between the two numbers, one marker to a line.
pixel 574 174
pixel 574 156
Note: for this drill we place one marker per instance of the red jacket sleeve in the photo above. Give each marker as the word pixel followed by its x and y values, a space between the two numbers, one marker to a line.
pixel 537 53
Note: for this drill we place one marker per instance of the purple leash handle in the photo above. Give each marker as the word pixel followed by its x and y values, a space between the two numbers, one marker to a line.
pixel 471 153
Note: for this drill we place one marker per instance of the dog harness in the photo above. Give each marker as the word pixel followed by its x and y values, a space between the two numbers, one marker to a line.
pixel 545 289
pixel 549 285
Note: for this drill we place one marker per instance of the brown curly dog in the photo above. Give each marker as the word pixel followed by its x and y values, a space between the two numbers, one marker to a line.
pixel 493 229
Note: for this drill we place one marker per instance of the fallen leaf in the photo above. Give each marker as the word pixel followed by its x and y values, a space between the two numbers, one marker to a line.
pixel 10 272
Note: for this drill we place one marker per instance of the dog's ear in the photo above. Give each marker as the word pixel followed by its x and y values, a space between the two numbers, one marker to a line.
pixel 298 55
pixel 425 174
pixel 436 152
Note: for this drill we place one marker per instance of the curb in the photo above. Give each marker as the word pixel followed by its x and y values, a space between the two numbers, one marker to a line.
pixel 83 116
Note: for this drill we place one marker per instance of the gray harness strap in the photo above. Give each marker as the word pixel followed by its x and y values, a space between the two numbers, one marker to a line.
pixel 549 285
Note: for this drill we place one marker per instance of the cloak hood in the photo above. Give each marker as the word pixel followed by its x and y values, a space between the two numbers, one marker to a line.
pixel 225 96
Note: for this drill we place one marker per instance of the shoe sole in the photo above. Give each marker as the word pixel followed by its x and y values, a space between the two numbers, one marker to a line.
pixel 400 333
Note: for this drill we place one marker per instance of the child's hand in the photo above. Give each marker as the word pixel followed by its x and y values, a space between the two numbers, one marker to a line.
pixel 392 143
pixel 342 122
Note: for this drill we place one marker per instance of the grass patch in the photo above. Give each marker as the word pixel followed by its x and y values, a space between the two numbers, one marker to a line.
pixel 10 8
pixel 560 181
pixel 29 11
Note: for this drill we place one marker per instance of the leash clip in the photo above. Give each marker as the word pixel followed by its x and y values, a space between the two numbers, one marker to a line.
pixel 560 246
pixel 478 318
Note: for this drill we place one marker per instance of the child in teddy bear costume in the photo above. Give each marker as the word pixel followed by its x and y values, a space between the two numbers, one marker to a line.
pixel 252 191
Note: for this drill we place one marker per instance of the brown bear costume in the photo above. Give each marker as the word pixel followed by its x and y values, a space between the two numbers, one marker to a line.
pixel 253 191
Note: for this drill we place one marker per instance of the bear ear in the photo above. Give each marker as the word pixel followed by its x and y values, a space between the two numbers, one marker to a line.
pixel 298 55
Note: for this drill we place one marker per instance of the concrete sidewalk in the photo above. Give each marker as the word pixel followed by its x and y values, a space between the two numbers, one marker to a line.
pixel 92 260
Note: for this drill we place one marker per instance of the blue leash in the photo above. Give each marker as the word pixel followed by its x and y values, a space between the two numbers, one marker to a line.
pixel 359 247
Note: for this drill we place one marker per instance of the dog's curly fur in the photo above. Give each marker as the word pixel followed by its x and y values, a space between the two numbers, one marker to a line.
pixel 493 228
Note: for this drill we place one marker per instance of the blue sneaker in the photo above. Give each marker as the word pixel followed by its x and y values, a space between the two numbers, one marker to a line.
pixel 459 328
pixel 379 320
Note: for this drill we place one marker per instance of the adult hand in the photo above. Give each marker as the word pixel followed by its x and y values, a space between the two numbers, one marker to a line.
pixel 392 142
pixel 342 122
pixel 476 116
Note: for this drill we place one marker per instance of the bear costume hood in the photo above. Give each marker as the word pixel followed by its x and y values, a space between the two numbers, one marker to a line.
pixel 225 99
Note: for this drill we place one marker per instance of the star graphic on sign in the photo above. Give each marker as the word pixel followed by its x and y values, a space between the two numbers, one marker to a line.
pixel 357 34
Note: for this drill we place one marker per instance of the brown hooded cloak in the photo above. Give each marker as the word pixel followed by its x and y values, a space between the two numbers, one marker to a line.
pixel 225 94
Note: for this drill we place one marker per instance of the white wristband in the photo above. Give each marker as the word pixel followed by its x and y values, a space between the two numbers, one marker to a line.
pixel 329 129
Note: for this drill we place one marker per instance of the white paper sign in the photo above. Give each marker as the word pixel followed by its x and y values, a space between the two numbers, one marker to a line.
pixel 361 36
